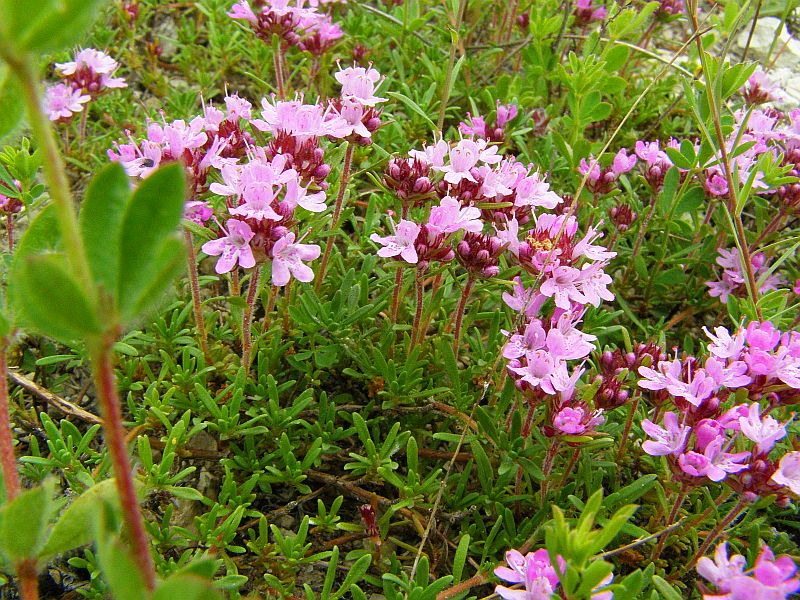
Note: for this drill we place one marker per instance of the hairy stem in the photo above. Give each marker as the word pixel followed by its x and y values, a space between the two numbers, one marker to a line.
pixel 9 459
pixel 415 332
pixel 247 319
pixel 679 498
pixel 624 442
pixel 28 579
pixel 712 537
pixel 103 374
pixel 277 59
pixel 398 283
pixel 459 316
pixel 337 210
pixel 10 231
pixel 197 306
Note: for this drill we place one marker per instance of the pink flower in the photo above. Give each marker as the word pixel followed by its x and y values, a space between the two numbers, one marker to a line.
pixel 788 473
pixel 197 211
pixel 463 157
pixel 763 431
pixel 721 570
pixel 534 570
pixel 535 191
pixel 668 372
pixel 233 248
pixel 563 288
pixel 401 243
pixel 359 84
pixel 622 162
pixel 762 336
pixel 288 257
pixel 723 345
pixel 61 101
pixel 713 463
pixel 670 439
pixel 476 126
pixel 505 113
pixel 91 71
pixel 524 300
pixel 450 216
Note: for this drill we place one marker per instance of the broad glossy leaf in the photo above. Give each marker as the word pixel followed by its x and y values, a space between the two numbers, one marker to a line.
pixel 154 214
pixel 101 217
pixel 49 299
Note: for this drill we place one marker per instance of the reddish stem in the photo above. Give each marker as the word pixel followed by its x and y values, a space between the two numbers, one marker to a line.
pixel 103 372
pixel 197 307
pixel 460 313
pixel 247 319
pixel 9 459
pixel 337 209
pixel 277 59
pixel 10 229
pixel 735 512
pixel 28 579
pixel 398 283
pixel 624 443
pixel 415 333
pixel 670 520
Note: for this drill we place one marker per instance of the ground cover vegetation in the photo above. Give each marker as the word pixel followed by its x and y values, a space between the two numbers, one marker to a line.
pixel 402 299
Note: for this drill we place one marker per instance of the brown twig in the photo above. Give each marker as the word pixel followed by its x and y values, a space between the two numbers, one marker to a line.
pixel 54 400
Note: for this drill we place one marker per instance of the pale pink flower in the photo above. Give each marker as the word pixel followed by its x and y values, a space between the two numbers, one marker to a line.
pixel 401 243
pixel 288 257
pixel 788 473
pixel 62 101
pixel 359 83
pixel 764 431
pixel 670 439
pixel 233 248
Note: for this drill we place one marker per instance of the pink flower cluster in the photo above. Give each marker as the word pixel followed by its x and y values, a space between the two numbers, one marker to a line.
pixel 478 127
pixel 90 74
pixel 585 12
pixel 291 20
pixel 538 576
pixel 758 361
pixel 733 280
pixel 770 579
pixel 602 180
pixel 760 89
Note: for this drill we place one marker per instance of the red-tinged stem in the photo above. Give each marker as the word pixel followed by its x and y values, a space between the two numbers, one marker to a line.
pixel 679 498
pixel 247 319
pixel 10 229
pixel 287 294
pixel 640 237
pixel 9 459
pixel 337 210
pixel 624 443
pixel 398 283
pixel 462 305
pixel 277 59
pixel 199 320
pixel 547 466
pixel 28 579
pixel 712 537
pixel 103 372
pixel 235 289
pixel 437 283
pixel 415 333
pixel 568 471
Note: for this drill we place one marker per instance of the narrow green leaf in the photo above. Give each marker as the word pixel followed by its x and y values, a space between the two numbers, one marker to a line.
pixel 48 299
pixel 101 217
pixel 665 589
pixel 24 522
pixel 153 213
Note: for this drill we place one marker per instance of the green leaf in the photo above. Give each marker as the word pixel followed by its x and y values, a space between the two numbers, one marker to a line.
pixel 170 262
pixel 153 214
pixel 74 526
pixel 47 25
pixel 48 299
pixel 665 589
pixel 356 573
pixel 24 522
pixel 414 107
pixel 101 217
pixel 120 570
pixel 12 107
pixel 630 492
pixel 186 587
